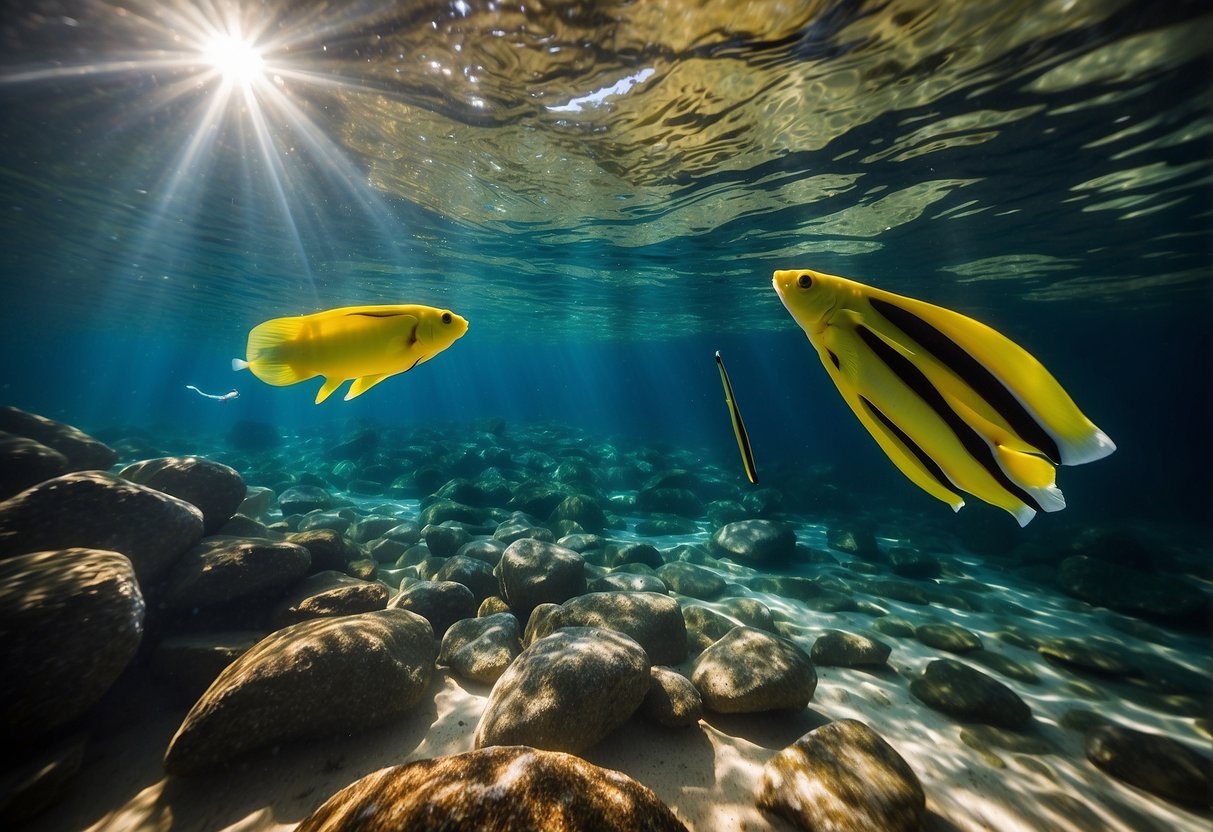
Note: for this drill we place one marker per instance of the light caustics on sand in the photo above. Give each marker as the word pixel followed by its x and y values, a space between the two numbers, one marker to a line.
pixel 254 70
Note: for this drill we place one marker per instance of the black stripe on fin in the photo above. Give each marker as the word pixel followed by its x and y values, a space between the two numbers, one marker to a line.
pixel 834 358
pixel 375 314
pixel 913 447
pixel 913 378
pixel 973 373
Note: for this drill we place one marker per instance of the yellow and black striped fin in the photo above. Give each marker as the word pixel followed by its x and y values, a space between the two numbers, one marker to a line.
pixel 743 438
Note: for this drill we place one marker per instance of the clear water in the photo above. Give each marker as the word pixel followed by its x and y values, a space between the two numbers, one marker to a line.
pixel 603 191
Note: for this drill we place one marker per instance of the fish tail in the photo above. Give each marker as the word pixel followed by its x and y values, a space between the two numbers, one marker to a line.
pixel 239 364
pixel 268 351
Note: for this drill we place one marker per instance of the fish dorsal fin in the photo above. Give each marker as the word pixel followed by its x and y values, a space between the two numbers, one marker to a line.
pixel 361 385
pixel 327 389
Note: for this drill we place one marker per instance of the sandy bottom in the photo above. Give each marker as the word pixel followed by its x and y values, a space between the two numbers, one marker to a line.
pixel 708 774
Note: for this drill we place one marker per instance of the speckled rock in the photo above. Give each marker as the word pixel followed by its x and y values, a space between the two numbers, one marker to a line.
pixel 843 777
pixel 511 789
pixel 911 563
pixel 327 594
pixel 755 542
pixel 533 572
pixel 440 511
pixel 948 637
pixel 25 462
pixel 93 510
pixel 566 691
pixel 485 549
pixel 1084 657
pixel 221 569
pixel 628 582
pixel 445 540
pixel 331 675
pixel 480 649
pixel 70 622
pixel 653 619
pixel 645 553
pixel 214 488
pixel 691 580
pixel 681 502
pixel 473 573
pixel 1158 764
pixel 582 510
pixel 441 603
pixel 672 700
pixel 750 670
pixel 328 549
pixel 970 695
pixel 705 626
pixel 838 649
pixel 895 626
pixel 303 498
pixel 1133 591
pixel 858 541
pixel 83 452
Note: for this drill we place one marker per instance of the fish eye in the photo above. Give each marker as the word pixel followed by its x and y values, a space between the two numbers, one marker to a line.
pixel 446 317
pixel 805 281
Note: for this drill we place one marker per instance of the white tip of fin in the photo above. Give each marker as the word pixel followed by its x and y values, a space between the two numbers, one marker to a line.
pixel 1049 498
pixel 239 364
pixel 1094 446
pixel 1023 515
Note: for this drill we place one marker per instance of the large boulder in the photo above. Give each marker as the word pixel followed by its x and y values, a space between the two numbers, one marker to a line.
pixel 970 695
pixel 755 542
pixel 845 778
pixel 750 670
pixel 566 692
pixel 83 452
pixel 501 789
pixel 534 572
pixel 322 677
pixel 691 580
pixel 480 649
pixel 70 622
pixel 672 700
pixel 653 619
pixel 25 462
pixel 1133 591
pixel 214 488
pixel 835 648
pixel 221 569
pixel 1158 764
pixel 94 510
pixel 441 603
pixel 328 594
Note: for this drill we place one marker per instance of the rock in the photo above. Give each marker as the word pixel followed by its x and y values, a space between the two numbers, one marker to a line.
pixel 694 581
pixel 948 637
pixel 70 622
pixel 628 582
pixel 750 670
pixel 537 499
pixel 1119 546
pixel 322 677
pixel 190 663
pixel 705 626
pixel 911 563
pixel 892 625
pixel 440 511
pixel 303 498
pixel 385 550
pixel 327 594
pixel 666 524
pixel 337 521
pixel 902 591
pixel 751 612
pixel 214 488
pixel 838 649
pixel 372 527
pixel 566 691
pixel 491 606
pixel 221 569
pixel 1132 591
pixel 257 501
pixel 328 549
pixel 362 443
pixel 1080 655
pixel 1160 765
pixel 672 701
pixel 241 526
pixel 1006 666
pixel 582 542
pixel 970 695
pixel 723 512
pixel 499 789
pixel 533 572
pixel 582 510
pixel 473 573
pixel 843 777
pixel 34 785
pixel 445 540
pixel 462 490
pixel 761 542
pixel 654 620
pixel 859 541
pixel 486 549
pixel 681 502
pixel 93 510
pixel 514 530
pixel 25 462
pixel 83 452
pixel 481 648
pixel 441 603
pixel 644 553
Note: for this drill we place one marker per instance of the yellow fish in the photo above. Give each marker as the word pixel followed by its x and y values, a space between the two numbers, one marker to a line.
pixel 956 405
pixel 364 343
